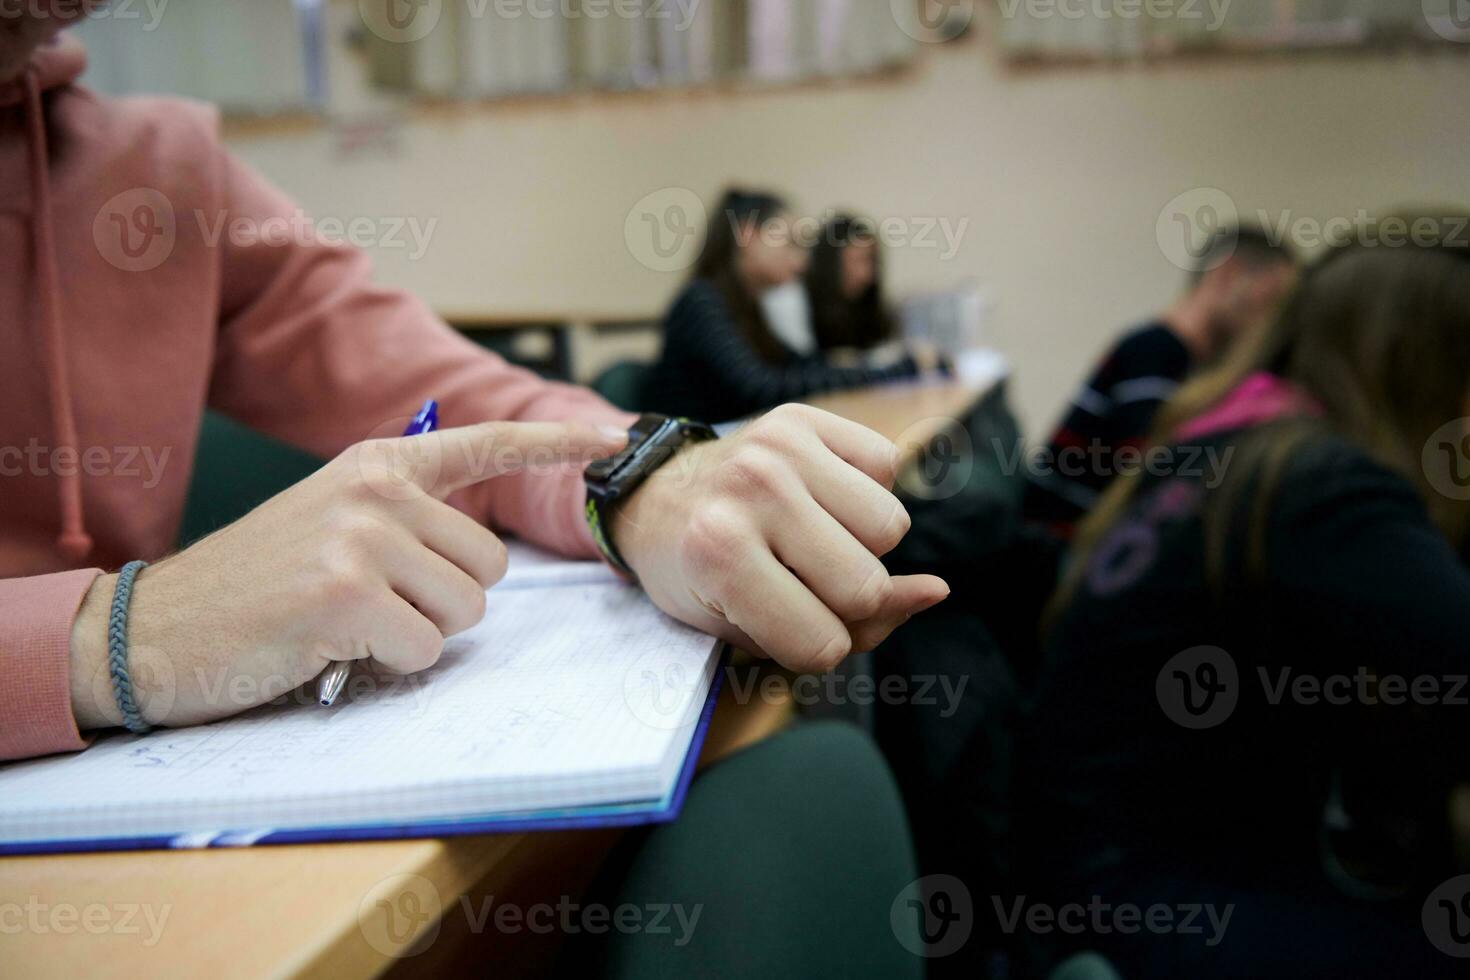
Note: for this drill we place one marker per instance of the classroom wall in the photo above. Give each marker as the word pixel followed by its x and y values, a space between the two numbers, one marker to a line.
pixel 1062 174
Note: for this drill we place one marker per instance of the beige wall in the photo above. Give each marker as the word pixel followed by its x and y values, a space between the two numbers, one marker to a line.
pixel 1062 174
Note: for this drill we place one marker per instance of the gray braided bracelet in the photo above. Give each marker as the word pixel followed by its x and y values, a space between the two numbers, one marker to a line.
pixel 117 648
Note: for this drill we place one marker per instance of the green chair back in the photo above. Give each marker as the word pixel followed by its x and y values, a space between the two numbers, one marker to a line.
pixel 236 470
pixel 1085 966
pixel 623 384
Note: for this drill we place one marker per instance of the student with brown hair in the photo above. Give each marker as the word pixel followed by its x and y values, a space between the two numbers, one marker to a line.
pixel 844 284
pixel 721 360
pixel 1240 278
pixel 1221 721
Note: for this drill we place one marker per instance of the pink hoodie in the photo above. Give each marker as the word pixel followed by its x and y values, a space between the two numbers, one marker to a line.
pixel 122 316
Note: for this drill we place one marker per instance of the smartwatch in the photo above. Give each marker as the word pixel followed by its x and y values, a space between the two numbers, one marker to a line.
pixel 652 442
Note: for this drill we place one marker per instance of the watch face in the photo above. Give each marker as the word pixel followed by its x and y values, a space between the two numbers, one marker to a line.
pixel 652 440
pixel 647 425
pixel 600 469
pixel 613 470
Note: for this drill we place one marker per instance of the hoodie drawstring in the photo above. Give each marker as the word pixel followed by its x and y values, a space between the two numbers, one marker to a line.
pixel 74 541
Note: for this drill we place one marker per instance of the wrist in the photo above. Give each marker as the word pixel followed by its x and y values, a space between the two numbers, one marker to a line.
pixel 655 508
pixel 628 529
pixel 151 668
pixel 618 488
pixel 88 659
pixel 600 519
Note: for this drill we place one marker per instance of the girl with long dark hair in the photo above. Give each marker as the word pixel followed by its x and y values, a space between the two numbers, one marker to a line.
pixel 844 285
pixel 721 360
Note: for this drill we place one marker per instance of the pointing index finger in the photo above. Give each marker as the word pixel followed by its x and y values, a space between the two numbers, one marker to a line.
pixel 452 459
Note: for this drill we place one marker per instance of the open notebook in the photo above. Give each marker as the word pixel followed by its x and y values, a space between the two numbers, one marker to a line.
pixel 575 702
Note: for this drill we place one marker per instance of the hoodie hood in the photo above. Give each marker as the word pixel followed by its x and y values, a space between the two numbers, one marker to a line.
pixel 1260 399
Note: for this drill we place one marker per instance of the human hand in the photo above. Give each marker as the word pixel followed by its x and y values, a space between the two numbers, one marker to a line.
pixel 362 560
pixel 771 538
pixel 928 358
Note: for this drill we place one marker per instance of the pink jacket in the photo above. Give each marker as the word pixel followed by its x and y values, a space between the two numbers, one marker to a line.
pixel 126 308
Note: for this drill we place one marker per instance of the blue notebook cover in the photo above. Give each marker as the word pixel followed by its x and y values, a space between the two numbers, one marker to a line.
pixel 583 818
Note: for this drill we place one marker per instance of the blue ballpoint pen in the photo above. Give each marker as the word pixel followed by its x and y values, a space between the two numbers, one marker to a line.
pixel 334 679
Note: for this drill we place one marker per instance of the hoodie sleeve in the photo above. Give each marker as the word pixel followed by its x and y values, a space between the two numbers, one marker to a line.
pixel 312 353
pixel 36 614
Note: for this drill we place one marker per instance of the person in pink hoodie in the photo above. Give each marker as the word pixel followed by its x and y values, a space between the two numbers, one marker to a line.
pixel 122 318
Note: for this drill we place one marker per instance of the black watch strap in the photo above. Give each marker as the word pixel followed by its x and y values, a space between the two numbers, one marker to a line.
pixel 652 442
pixel 599 524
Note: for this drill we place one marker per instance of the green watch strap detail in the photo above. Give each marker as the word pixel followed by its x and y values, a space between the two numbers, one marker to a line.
pixel 600 536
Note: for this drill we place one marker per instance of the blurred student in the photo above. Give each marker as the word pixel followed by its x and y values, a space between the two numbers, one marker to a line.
pixel 844 285
pixel 721 358
pixel 1174 758
pixel 1241 278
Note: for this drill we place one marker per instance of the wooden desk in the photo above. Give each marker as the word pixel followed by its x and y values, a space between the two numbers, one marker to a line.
pixel 325 910
pixel 908 414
